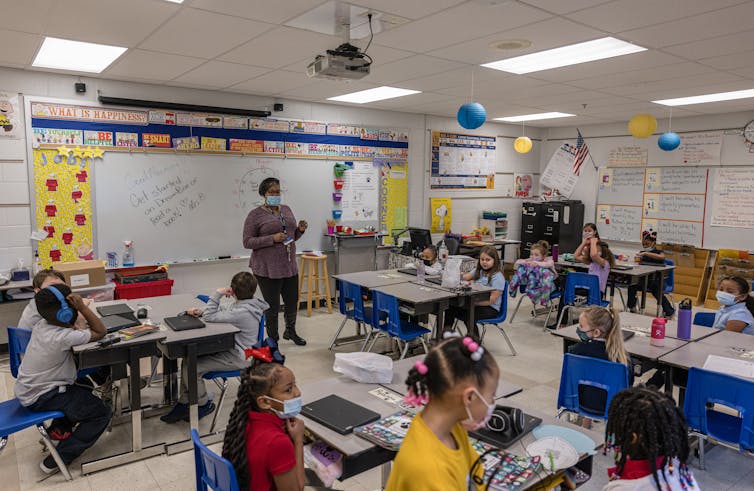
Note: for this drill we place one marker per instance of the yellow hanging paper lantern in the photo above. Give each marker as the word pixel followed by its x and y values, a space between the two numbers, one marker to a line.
pixel 642 125
pixel 522 144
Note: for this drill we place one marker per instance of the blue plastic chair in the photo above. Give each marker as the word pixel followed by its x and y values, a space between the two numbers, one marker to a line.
pixel 212 471
pixel 220 378
pixel 704 319
pixel 550 305
pixel 585 371
pixel 18 340
pixel 669 284
pixel 707 387
pixel 582 281
pixel 498 321
pixel 349 293
pixel 392 325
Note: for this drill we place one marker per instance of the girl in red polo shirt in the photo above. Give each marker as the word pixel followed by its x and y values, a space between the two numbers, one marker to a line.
pixel 264 439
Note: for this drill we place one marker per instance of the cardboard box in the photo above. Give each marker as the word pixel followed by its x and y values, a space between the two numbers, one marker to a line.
pixel 82 274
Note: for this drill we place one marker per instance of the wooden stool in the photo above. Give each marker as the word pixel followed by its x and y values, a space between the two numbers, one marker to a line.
pixel 310 268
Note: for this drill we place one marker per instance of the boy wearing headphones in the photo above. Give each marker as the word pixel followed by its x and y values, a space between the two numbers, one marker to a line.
pixel 46 277
pixel 47 373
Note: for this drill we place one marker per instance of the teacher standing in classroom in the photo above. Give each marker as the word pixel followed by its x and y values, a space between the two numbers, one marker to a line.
pixel 271 232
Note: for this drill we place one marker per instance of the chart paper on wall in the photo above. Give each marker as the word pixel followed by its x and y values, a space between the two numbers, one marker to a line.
pixel 559 171
pixel 462 161
pixel 732 199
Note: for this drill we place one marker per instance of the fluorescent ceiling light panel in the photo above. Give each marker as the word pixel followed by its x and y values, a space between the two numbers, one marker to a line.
pixel 598 49
pixel 701 99
pixel 174 1
pixel 64 54
pixel 372 95
pixel 534 117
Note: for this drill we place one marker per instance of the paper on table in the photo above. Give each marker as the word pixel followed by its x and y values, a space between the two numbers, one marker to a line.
pixel 730 366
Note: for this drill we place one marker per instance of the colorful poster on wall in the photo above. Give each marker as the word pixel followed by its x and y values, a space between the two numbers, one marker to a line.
pixel 274 147
pixel 64 207
pixel 88 113
pixel 199 119
pixel 239 145
pixel 308 127
pixel 236 122
pixel 162 117
pixel 462 161
pixel 217 144
pixel 155 140
pixel 442 214
pixel 522 185
pixel 269 125
pixel 370 134
pixel 10 116
pixel 56 136
pixel 343 130
pixel 187 143
pixel 126 139
pixel 98 138
pixel 394 196
pixel 360 192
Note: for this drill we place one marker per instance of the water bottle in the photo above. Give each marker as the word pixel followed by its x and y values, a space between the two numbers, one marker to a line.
pixel 128 254
pixel 443 252
pixel 555 252
pixel 420 270
pixel 658 332
pixel 684 319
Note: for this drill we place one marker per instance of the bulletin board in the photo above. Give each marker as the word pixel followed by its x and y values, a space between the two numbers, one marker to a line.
pixel 461 161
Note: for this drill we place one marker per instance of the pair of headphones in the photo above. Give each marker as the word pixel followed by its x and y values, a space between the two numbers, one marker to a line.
pixel 507 421
pixel 65 314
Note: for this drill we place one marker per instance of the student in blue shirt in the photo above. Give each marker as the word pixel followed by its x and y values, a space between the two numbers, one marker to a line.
pixel 737 312
pixel 488 272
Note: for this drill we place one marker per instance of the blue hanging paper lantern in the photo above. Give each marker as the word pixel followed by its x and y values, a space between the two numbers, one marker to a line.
pixel 471 115
pixel 669 141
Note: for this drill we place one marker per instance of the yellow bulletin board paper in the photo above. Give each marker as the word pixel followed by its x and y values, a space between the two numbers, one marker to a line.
pixel 393 196
pixel 62 186
pixel 442 213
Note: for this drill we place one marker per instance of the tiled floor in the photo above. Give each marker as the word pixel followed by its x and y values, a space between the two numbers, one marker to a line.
pixel 536 368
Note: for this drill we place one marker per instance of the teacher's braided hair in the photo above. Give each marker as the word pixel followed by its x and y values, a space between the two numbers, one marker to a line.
pixel 445 365
pixel 656 423
pixel 256 381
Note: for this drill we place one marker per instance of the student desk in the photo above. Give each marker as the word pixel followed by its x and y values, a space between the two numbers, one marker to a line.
pixel 643 324
pixel 638 346
pixel 118 355
pixel 374 279
pixel 400 372
pixel 360 455
pixel 637 273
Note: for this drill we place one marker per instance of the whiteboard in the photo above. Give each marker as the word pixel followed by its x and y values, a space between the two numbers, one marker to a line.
pixel 622 185
pixel 185 207
pixel 692 180
pixel 617 222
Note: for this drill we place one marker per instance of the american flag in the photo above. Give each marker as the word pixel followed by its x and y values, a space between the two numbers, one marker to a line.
pixel 582 151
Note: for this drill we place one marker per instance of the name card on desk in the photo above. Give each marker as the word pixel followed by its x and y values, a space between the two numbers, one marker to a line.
pixel 730 366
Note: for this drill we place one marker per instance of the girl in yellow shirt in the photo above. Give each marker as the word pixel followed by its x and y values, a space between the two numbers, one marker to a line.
pixel 457 381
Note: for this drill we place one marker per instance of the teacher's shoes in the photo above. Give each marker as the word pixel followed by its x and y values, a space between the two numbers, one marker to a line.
pixel 292 336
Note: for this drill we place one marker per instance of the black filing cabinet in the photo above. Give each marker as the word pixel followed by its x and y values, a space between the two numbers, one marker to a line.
pixel 557 222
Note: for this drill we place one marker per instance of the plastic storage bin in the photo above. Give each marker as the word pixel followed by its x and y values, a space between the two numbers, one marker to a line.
pixel 100 293
pixel 143 290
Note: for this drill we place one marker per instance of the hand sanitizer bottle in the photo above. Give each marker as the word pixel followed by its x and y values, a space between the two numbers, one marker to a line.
pixel 128 253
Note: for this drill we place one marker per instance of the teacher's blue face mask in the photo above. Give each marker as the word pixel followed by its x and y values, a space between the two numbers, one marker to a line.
pixel 272 200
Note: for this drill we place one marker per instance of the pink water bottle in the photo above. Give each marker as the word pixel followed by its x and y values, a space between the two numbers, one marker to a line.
pixel 658 332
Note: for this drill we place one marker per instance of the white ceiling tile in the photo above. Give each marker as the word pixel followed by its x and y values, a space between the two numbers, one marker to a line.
pixel 218 74
pixel 26 15
pixel 111 22
pixel 412 67
pixel 747 72
pixel 506 85
pixel 718 23
pixel 18 48
pixel 550 33
pixel 281 47
pixel 719 46
pixel 695 83
pixel 319 90
pixel 687 90
pixel 148 65
pixel 460 77
pixel 272 11
pixel 723 107
pixel 623 15
pixel 273 83
pixel 743 59
pixel 412 9
pixel 458 24
pixel 203 34
pixel 564 7
pixel 410 100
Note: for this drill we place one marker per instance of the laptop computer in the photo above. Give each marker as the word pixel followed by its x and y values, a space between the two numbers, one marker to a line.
pixel 115 309
pixel 622 267
pixel 338 414
pixel 117 322
pixel 184 323
pixel 627 334
pixel 411 271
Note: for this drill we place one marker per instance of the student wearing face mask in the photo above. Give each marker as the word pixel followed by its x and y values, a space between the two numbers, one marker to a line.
pixel 737 312
pixel 429 257
pixel 457 382
pixel 271 232
pixel 649 254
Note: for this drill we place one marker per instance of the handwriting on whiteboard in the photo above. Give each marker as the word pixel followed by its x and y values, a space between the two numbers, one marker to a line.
pixel 164 194
pixel 733 200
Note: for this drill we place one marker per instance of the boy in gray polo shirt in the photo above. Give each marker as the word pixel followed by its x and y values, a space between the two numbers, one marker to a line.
pixel 47 373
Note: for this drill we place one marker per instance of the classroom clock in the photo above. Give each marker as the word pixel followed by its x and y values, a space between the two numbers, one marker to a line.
pixel 749 132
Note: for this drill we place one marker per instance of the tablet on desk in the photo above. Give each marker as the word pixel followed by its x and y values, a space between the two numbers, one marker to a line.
pixel 338 414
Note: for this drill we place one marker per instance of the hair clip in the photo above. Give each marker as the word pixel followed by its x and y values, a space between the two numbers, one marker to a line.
pixel 412 399
pixel 474 348
pixel 421 367
pixel 450 334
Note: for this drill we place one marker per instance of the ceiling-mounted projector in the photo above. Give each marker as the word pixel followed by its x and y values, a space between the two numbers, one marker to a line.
pixel 346 62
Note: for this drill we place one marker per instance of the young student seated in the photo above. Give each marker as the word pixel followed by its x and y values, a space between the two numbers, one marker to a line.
pixel 488 272
pixel 245 314
pixel 457 382
pixel 429 257
pixel 647 432
pixel 536 274
pixel 44 278
pixel 47 373
pixel 649 254
pixel 264 440
pixel 600 337
pixel 737 312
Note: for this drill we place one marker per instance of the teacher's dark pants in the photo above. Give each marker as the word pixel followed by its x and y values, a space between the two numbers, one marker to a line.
pixel 272 289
